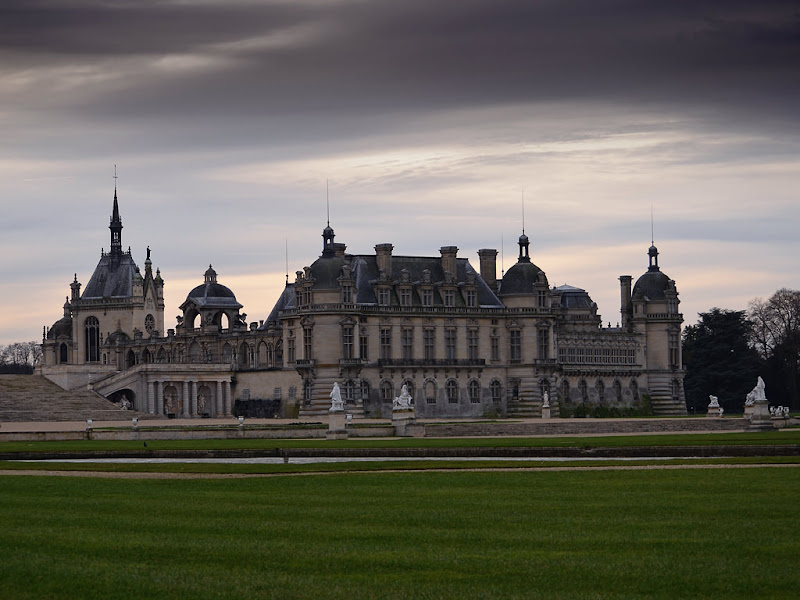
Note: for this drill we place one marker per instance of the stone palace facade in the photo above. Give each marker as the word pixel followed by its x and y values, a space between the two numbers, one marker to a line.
pixel 465 342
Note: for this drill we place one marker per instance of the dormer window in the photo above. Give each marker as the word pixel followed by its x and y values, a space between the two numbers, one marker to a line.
pixel 405 296
pixel 347 294
pixel 383 296
pixel 470 298
pixel 427 297
pixel 448 297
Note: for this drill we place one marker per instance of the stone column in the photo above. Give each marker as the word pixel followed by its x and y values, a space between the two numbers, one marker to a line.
pixel 194 386
pixel 160 398
pixel 219 407
pixel 151 397
pixel 185 398
pixel 226 393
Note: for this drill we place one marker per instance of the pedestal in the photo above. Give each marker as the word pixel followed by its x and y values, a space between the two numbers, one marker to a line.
pixel 714 412
pixel 336 429
pixel 403 422
pixel 545 412
pixel 760 419
pixel 748 411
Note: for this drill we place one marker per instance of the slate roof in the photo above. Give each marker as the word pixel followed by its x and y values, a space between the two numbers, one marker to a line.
pixel 574 297
pixel 651 286
pixel 113 277
pixel 520 278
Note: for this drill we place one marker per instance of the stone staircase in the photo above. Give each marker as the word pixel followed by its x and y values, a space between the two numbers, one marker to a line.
pixel 35 398
pixel 321 400
pixel 664 405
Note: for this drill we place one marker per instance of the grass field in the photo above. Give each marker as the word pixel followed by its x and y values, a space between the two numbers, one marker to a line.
pixel 690 533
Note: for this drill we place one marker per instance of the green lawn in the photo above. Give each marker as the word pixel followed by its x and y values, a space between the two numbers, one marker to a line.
pixel 784 436
pixel 644 534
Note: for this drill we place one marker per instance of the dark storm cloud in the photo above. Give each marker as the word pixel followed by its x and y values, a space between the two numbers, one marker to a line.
pixel 385 58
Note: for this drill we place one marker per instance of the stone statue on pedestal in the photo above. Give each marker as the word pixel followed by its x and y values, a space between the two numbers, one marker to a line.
pixel 403 401
pixel 337 405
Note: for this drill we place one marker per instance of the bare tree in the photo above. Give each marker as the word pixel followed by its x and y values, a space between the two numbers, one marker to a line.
pixel 776 336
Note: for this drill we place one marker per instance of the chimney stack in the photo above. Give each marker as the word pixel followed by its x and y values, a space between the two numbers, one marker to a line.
pixel 488 259
pixel 384 257
pixel 449 259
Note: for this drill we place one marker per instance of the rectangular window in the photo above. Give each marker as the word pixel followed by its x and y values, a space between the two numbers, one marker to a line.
pixel 542 298
pixel 428 339
pixel 515 345
pixel 383 297
pixel 544 343
pixel 363 346
pixel 290 351
pixel 450 344
pixel 408 344
pixel 293 392
pixel 448 296
pixel 347 294
pixel 472 344
pixel 347 341
pixel 427 297
pixel 470 298
pixel 386 343
pixel 277 392
pixel 495 348
pixel 405 297
pixel 308 344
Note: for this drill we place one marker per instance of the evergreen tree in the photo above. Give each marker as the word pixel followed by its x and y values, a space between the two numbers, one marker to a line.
pixel 719 360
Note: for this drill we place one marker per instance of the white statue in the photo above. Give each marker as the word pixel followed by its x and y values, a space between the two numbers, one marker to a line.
pixel 124 403
pixel 201 404
pixel 403 401
pixel 336 399
pixel 756 394
pixel 169 405
pixel 546 401
pixel 714 402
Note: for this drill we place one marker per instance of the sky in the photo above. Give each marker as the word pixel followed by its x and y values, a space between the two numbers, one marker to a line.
pixel 425 124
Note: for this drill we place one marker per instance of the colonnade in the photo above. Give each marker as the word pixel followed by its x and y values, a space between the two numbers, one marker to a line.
pixel 192 402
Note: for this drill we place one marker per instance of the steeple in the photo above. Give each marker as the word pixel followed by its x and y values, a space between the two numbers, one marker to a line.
pixel 327 245
pixel 116 227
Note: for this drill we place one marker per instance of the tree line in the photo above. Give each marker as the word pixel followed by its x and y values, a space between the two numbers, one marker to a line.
pixel 20 357
pixel 727 350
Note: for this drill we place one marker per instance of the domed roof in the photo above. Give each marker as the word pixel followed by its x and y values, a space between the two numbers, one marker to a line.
pixel 326 272
pixel 520 279
pixel 62 327
pixel 651 286
pixel 211 293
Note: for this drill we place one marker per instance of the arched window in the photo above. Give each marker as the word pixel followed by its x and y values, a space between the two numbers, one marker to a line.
pixel 634 390
pixel 601 390
pixel 349 389
pixel 92 339
pixel 474 390
pixel 617 390
pixel 430 392
pixel 364 390
pixel 245 355
pixel 195 353
pixel 565 391
pixel 387 393
pixel 409 383
pixel 131 359
pixel 161 356
pixel 278 353
pixel 451 391
pixel 62 353
pixel 584 390
pixel 227 354
pixel 497 391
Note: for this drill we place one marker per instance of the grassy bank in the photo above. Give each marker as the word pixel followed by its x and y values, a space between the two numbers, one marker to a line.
pixel 784 436
pixel 655 534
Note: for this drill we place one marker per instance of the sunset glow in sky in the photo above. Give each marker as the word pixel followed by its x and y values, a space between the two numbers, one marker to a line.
pixel 428 120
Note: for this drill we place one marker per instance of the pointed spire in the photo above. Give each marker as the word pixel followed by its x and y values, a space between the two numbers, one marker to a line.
pixel 116 222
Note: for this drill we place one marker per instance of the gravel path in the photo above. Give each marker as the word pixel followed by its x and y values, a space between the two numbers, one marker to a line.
pixel 156 475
